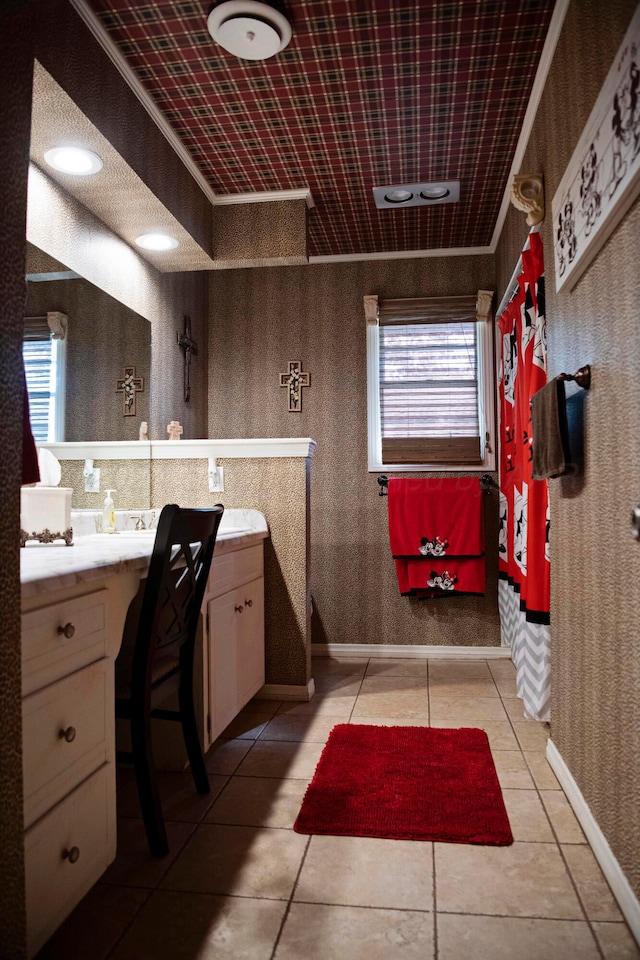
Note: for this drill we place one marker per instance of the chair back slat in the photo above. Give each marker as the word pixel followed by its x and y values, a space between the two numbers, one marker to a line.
pixel 178 572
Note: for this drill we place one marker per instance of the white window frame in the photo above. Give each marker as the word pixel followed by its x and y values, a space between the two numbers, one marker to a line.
pixel 486 407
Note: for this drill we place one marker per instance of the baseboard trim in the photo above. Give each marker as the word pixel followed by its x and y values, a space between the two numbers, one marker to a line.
pixel 287 691
pixel 402 651
pixel 620 886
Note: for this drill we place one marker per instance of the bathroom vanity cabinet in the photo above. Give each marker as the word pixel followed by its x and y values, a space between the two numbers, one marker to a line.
pixel 234 628
pixel 69 646
pixel 74 605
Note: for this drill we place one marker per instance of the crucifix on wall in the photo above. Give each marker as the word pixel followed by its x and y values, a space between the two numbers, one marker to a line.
pixel 295 380
pixel 190 347
pixel 129 386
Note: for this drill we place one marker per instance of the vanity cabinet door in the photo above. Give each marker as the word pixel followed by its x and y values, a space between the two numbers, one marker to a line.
pixel 250 649
pixel 236 651
pixel 223 676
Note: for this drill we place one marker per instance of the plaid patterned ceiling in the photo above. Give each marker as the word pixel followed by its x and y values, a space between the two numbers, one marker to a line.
pixel 366 94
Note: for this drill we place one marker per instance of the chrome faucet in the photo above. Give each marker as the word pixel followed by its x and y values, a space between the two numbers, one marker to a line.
pixel 139 518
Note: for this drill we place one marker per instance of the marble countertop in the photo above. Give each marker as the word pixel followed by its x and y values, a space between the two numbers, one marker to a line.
pixel 48 567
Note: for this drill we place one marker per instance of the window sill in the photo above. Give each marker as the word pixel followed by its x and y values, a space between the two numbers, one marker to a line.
pixel 487 466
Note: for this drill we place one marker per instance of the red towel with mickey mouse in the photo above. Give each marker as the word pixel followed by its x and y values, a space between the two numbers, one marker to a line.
pixel 421 578
pixel 436 533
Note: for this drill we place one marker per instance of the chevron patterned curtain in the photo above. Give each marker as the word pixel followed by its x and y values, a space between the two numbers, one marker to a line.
pixel 524 581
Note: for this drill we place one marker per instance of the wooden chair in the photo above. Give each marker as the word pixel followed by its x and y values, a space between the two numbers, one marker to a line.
pixel 158 652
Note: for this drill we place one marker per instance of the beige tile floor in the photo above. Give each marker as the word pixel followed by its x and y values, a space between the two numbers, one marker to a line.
pixel 239 884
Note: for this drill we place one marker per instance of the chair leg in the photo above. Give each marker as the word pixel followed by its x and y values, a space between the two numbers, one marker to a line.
pixel 190 732
pixel 146 781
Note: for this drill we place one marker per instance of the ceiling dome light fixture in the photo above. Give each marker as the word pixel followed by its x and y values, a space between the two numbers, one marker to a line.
pixel 156 241
pixel 77 161
pixel 249 29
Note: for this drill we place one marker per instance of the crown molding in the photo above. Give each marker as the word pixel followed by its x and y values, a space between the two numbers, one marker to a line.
pixel 101 35
pixel 542 73
pixel 403 254
pixel 264 196
pixel 95 26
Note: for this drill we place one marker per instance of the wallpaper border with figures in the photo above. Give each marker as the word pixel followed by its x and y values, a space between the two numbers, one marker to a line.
pixel 602 178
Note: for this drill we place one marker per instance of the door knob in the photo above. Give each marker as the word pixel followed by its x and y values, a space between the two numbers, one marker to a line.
pixel 635 522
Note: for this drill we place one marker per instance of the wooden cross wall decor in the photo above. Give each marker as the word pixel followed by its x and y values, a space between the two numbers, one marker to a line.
pixel 295 380
pixel 129 386
pixel 190 348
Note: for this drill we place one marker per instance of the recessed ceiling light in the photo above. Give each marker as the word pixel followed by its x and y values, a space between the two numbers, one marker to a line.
pixel 249 29
pixel 417 194
pixel 74 160
pixel 156 241
pixel 434 193
pixel 398 195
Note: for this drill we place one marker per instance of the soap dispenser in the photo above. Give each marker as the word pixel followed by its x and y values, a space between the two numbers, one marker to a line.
pixel 108 514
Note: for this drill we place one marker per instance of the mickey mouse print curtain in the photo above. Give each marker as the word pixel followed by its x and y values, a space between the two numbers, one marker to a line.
pixel 524 574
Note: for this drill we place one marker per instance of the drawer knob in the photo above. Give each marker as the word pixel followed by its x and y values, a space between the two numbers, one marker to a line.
pixel 239 609
pixel 69 734
pixel 248 603
pixel 67 631
pixel 71 855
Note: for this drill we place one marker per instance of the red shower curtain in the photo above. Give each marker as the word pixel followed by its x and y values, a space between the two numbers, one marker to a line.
pixel 524 581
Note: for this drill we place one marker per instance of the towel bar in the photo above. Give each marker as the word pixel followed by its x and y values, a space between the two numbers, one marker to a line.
pixel 582 377
pixel 486 482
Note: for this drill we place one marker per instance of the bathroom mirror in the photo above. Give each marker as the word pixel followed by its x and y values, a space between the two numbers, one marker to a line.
pixel 104 337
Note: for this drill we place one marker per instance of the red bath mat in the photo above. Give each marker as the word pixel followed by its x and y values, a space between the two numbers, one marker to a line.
pixel 406 783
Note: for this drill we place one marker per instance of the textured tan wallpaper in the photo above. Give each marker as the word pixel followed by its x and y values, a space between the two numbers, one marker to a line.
pixel 181 293
pixel 15 79
pixel 260 319
pixel 130 479
pixel 595 564
pixel 52 31
pixel 278 487
pixel 260 234
pixel 104 336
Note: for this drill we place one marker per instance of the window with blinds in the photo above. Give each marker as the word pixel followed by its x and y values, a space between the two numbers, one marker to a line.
pixel 429 393
pixel 44 368
pixel 430 384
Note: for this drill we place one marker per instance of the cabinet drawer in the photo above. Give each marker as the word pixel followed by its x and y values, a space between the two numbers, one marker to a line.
pixel 85 820
pixel 55 763
pixel 61 638
pixel 232 569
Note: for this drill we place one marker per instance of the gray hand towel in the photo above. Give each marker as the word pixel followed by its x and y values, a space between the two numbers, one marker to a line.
pixel 551 453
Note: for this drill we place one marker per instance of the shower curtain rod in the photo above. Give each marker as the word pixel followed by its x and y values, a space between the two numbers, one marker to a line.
pixel 511 286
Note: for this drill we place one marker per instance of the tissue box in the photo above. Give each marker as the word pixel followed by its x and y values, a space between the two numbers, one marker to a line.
pixel 45 514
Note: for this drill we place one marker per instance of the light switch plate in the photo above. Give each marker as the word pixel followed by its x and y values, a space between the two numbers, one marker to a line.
pixel 92 481
pixel 216 480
